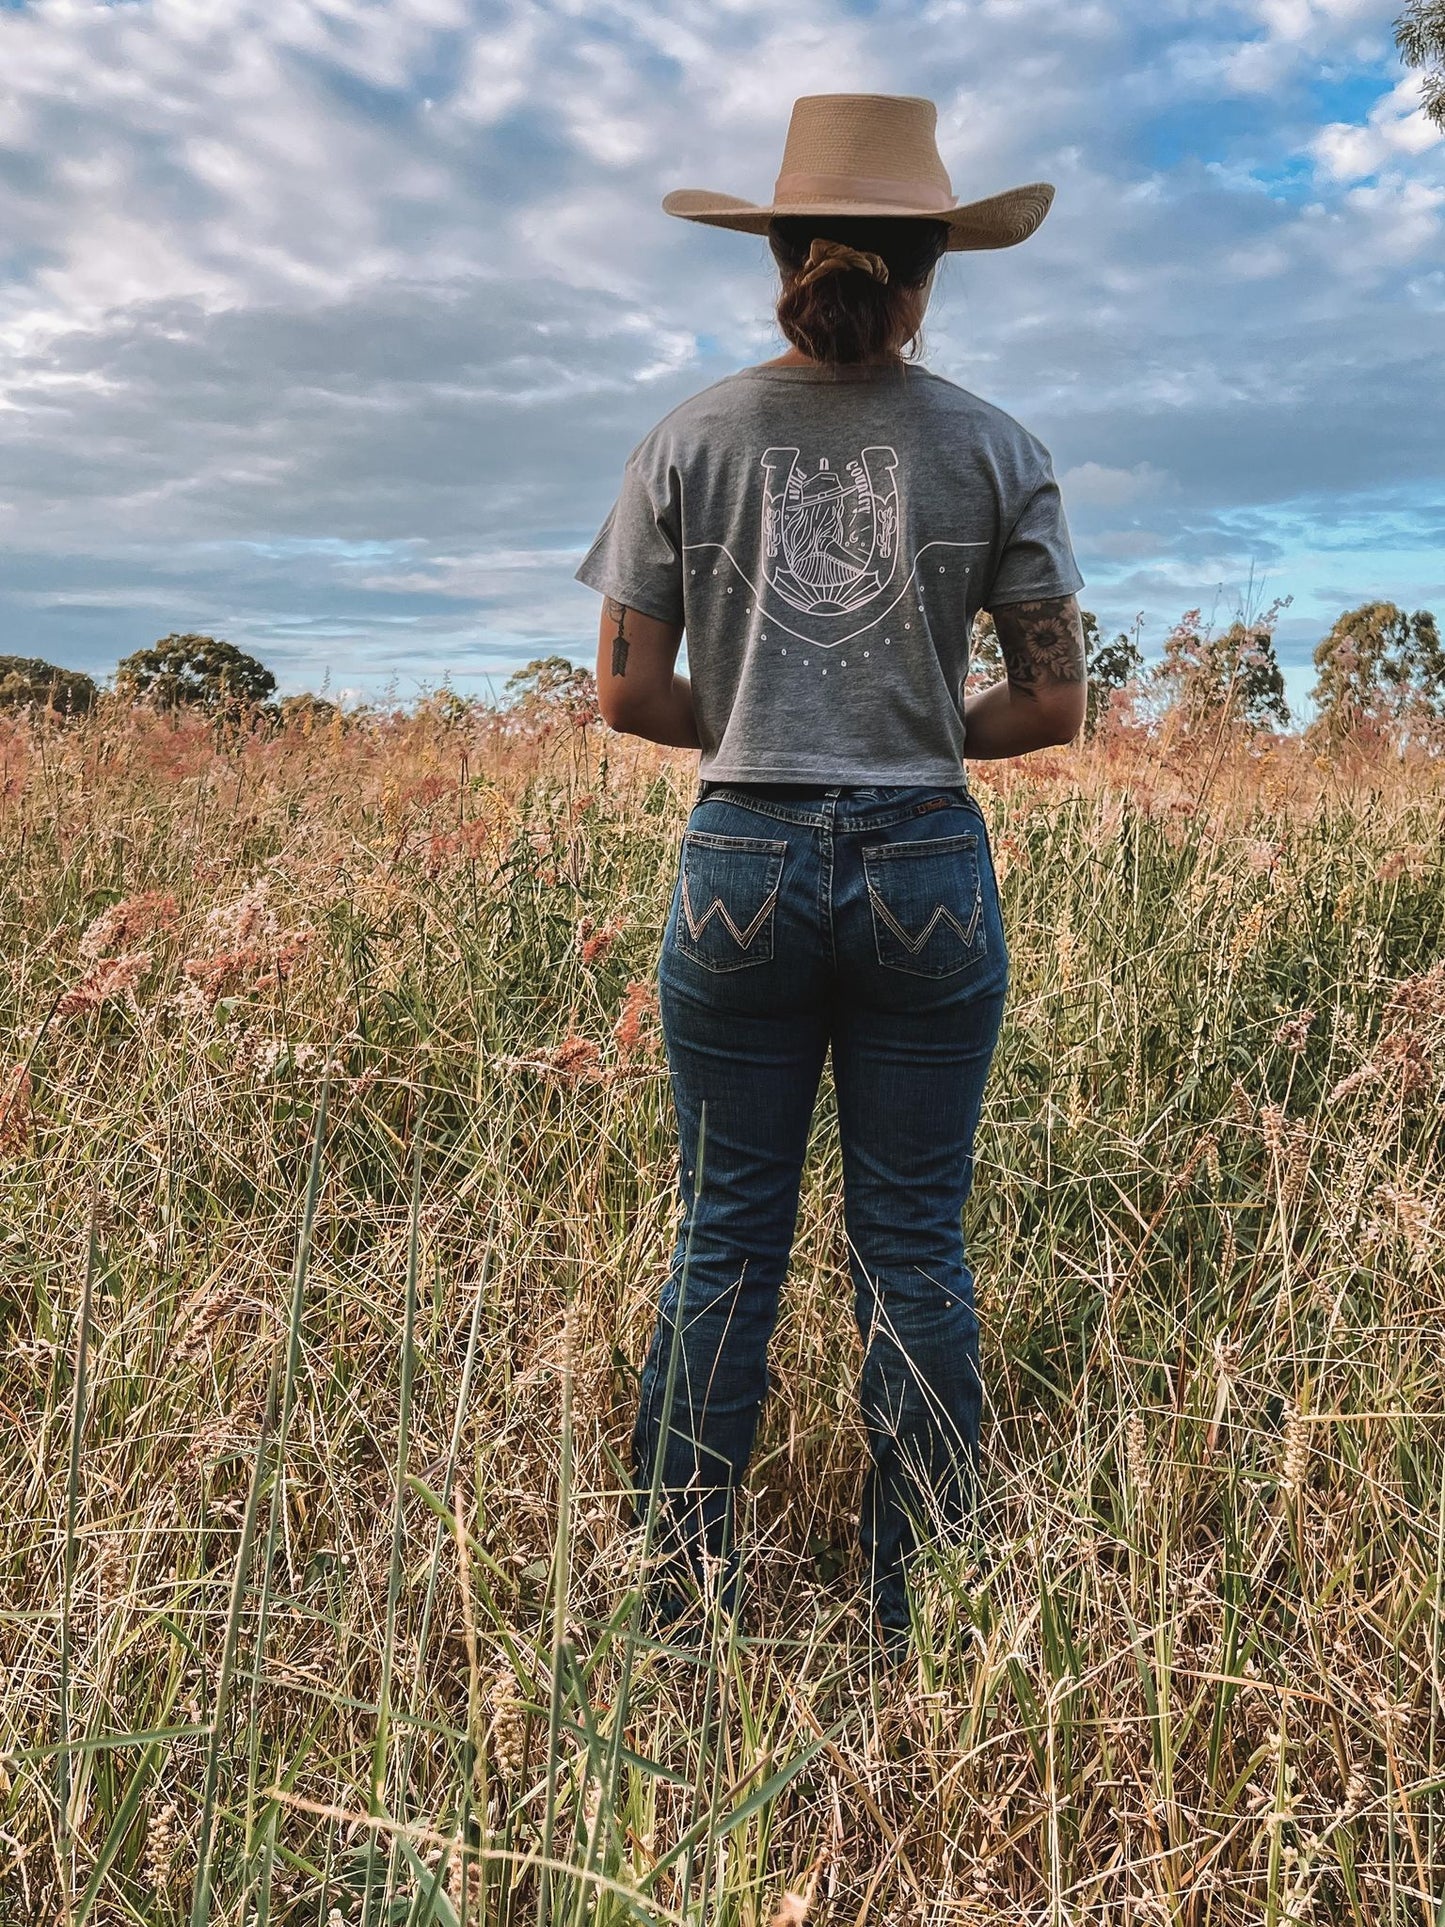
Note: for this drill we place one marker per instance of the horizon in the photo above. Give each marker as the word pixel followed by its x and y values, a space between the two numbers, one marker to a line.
pixel 384 694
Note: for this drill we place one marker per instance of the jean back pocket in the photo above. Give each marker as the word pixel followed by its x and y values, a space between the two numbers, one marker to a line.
pixel 927 903
pixel 728 898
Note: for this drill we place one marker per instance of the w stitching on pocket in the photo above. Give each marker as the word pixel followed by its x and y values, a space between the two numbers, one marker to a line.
pixel 761 867
pixel 939 910
pixel 698 924
pixel 896 947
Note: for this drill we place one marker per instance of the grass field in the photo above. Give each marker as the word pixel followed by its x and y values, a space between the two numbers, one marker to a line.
pixel 337 1162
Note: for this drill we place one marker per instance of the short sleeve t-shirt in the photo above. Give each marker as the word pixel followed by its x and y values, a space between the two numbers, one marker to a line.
pixel 826 537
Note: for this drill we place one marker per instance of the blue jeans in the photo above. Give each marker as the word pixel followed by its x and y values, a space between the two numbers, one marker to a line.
pixel 867 919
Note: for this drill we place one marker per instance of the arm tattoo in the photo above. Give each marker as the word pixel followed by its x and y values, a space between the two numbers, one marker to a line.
pixel 616 612
pixel 1041 642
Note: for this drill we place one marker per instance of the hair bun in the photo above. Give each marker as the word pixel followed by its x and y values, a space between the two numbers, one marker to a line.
pixel 872 310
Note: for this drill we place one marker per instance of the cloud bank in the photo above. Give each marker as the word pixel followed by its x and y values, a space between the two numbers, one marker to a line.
pixel 327 325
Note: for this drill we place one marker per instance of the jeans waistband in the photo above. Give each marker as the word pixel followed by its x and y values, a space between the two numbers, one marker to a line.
pixel 805 791
pixel 838 806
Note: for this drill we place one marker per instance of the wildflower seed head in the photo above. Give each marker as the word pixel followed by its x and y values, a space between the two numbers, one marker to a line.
pixel 203 1317
pixel 1226 1356
pixel 1394 1715
pixel 118 927
pixel 576 1059
pixel 1299 1153
pixel 1247 932
pixel 1293 1033
pixel 16 1117
pixel 160 1847
pixel 1357 1792
pixel 636 1031
pixel 795 1909
pixel 112 1570
pixel 1137 1452
pixel 509 1724
pixel 1211 1163
pixel 1067 956
pixel 594 940
pixel 1294 1460
pixel 112 979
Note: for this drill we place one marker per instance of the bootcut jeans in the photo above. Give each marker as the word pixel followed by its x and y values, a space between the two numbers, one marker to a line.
pixel 868 920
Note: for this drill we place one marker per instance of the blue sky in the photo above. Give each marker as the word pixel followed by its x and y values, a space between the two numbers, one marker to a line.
pixel 327 325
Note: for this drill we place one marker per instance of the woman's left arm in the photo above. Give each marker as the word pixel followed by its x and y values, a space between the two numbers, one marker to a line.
pixel 1044 696
pixel 638 691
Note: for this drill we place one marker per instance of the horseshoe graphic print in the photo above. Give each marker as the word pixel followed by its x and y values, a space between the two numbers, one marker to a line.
pixel 830 539
pixel 834 555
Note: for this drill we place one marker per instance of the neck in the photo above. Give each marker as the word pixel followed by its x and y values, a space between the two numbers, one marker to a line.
pixel 795 358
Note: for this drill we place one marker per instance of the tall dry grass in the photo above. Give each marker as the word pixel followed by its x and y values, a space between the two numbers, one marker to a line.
pixel 337 1164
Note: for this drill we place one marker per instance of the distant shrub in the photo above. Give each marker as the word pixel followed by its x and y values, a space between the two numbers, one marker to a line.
pixel 307 713
pixel 1381 679
pixel 450 708
pixel 194 672
pixel 552 686
pixel 1115 671
pixel 28 683
pixel 1206 679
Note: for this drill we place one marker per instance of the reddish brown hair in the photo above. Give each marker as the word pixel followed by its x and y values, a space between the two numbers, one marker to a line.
pixel 849 315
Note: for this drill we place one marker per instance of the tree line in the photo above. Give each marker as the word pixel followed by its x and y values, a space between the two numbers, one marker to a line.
pixel 1379 676
pixel 1380 679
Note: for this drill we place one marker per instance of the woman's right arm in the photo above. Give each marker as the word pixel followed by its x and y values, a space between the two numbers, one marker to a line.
pixel 638 690
pixel 1043 699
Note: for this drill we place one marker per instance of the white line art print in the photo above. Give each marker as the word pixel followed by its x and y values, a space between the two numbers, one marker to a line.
pixel 830 539
pixel 834 547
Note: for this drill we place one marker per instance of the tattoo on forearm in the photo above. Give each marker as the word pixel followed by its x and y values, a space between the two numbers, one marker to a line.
pixel 1041 642
pixel 617 612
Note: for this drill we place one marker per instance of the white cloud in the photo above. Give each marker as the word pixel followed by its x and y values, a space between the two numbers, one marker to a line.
pixel 1260 261
pixel 1297 35
pixel 497 71
pixel 1394 222
pixel 1127 545
pixel 1093 485
pixel 1396 128
pixel 1302 20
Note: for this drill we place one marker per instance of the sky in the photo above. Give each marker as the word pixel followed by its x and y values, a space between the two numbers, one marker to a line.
pixel 326 326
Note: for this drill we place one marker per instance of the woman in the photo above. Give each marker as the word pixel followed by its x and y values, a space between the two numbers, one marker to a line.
pixel 825 527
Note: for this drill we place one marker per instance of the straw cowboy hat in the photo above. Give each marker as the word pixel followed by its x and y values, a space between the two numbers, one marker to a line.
pixel 870 155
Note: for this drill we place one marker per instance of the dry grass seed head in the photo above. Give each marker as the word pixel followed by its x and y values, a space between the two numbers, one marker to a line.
pixel 509 1723
pixel 1294 1457
pixel 118 927
pixel 160 1847
pixel 17 1118
pixel 112 978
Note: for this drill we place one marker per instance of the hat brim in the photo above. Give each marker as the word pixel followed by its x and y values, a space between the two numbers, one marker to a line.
pixel 997 221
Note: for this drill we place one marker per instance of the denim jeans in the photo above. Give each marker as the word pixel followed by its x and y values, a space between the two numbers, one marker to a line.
pixel 867 920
